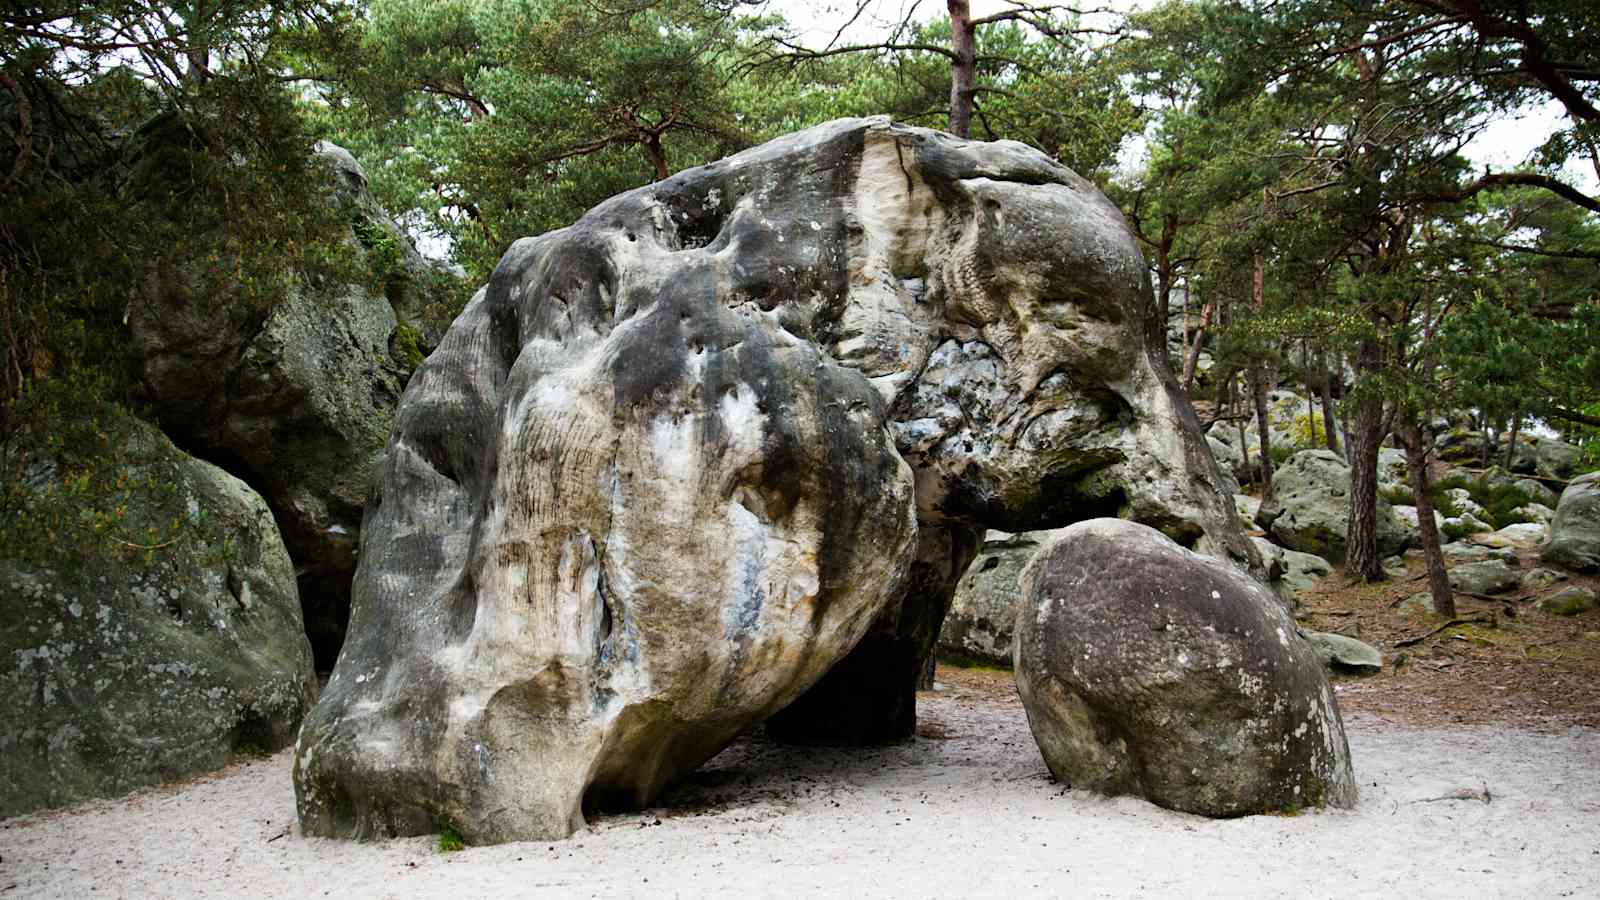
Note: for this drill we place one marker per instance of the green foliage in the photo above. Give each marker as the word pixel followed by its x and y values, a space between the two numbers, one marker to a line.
pixel 1499 501
pixel 450 840
pixel 500 119
pixel 1397 495
pixel 124 183
pixel 83 484
pixel 408 346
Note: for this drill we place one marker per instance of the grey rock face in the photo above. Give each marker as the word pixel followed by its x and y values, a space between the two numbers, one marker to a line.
pixel 1309 509
pixel 297 399
pixel 1147 669
pixel 677 460
pixel 1290 572
pixel 982 617
pixel 1575 533
pixel 152 650
pixel 1301 572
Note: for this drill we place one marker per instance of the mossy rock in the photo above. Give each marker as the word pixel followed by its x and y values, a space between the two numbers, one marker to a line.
pixel 152 629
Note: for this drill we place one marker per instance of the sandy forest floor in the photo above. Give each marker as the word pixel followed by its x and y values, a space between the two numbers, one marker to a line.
pixel 1514 666
pixel 967 808
pixel 1478 759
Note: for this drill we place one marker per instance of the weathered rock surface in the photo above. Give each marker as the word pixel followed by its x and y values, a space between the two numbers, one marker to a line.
pixel 677 460
pixel 297 399
pixel 1147 669
pixel 1539 579
pixel 155 634
pixel 1569 601
pixel 1555 459
pixel 1538 492
pixel 1345 654
pixel 982 617
pixel 1289 572
pixel 1536 513
pixel 1407 515
pixel 1520 536
pixel 1392 466
pixel 1492 576
pixel 1575 533
pixel 1309 509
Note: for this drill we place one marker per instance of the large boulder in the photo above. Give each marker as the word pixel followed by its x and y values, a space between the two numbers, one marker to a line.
pixel 151 622
pixel 1575 532
pixel 1148 669
pixel 1309 509
pixel 296 398
pixel 678 459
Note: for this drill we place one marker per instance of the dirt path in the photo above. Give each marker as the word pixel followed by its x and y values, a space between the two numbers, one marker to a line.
pixel 967 809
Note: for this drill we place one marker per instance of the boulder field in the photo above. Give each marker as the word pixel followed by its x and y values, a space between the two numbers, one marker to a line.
pixel 719 453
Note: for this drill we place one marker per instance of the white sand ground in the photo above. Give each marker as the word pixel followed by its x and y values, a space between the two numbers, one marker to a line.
pixel 971 813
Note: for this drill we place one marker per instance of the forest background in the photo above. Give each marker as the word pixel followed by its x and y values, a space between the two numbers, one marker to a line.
pixel 1300 173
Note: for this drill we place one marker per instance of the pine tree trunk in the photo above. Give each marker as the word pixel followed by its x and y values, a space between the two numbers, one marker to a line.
pixel 1418 451
pixel 1258 394
pixel 1366 427
pixel 1511 445
pixel 1328 422
pixel 1258 381
pixel 1193 361
pixel 1244 441
pixel 963 68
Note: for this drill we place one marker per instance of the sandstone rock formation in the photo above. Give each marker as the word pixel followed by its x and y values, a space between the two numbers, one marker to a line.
pixel 678 459
pixel 297 399
pixel 1575 532
pixel 1148 669
pixel 979 625
pixel 151 622
pixel 1309 509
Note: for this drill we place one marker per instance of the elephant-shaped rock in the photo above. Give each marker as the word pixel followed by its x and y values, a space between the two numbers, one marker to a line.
pixel 718 453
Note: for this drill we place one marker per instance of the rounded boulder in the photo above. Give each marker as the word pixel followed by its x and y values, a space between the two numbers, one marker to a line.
pixel 1151 670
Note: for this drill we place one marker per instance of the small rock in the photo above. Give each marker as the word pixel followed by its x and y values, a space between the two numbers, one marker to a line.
pixel 1536 512
pixel 1465 505
pixel 1569 601
pixel 1150 670
pixel 1301 572
pixel 1345 654
pixel 1468 522
pixel 1539 579
pixel 1421 602
pixel 1492 576
pixel 1521 536
pixel 1537 491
